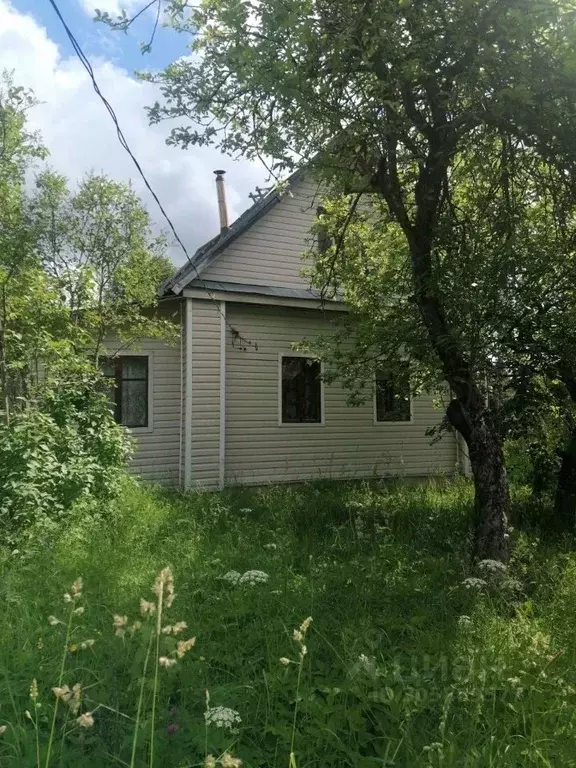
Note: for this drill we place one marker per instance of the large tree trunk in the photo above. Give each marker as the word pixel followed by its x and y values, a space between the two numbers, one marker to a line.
pixel 492 498
pixel 469 412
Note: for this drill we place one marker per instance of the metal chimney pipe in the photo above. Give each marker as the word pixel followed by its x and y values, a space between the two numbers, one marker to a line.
pixel 222 207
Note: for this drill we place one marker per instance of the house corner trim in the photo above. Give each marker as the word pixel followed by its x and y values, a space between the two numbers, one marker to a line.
pixel 188 400
pixel 222 437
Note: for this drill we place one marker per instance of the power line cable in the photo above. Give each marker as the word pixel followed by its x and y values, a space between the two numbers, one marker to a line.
pixel 124 143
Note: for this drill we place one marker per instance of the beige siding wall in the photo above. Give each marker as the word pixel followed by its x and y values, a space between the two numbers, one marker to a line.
pixel 269 253
pixel 259 450
pixel 205 443
pixel 157 456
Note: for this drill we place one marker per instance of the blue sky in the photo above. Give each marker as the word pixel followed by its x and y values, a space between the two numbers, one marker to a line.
pixel 97 40
pixel 76 128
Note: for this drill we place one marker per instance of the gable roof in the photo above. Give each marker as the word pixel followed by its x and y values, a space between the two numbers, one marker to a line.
pixel 207 253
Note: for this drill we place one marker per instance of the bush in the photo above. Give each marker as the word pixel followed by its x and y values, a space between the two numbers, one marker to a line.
pixel 61 451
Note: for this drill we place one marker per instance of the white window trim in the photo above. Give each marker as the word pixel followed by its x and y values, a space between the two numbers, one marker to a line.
pixel 150 355
pixel 389 423
pixel 298 424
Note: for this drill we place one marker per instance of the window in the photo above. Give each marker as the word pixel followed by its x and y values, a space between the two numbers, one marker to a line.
pixel 393 395
pixel 301 391
pixel 128 375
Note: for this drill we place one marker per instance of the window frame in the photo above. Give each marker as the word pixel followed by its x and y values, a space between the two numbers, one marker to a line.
pixel 291 424
pixel 150 355
pixel 390 422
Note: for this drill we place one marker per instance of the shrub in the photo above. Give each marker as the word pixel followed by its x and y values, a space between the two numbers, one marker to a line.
pixel 64 449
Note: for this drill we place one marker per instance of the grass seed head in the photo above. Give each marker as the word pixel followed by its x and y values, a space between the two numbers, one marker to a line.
pixel 183 646
pixel 147 607
pixel 86 720
pixel 77 588
pixel 119 624
pixel 227 761
pixel 34 690
pixel 164 585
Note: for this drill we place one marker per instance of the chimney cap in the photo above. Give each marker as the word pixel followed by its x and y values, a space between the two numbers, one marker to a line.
pixel 219 173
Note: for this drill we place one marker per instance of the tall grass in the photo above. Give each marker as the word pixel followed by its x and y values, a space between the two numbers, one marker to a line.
pixel 413 657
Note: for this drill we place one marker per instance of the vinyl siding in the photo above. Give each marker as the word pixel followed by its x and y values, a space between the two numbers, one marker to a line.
pixel 348 444
pixel 205 443
pixel 157 455
pixel 270 252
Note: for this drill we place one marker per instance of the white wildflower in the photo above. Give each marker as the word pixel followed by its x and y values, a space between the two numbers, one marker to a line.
pixel 78 611
pixel 209 762
pixel 166 662
pixel 53 621
pixel 494 567
pixel 223 717
pixel 86 644
pixel 232 576
pixel 67 597
pixel 285 661
pixel 271 547
pixel 254 577
pixel 473 583
pixel 3 729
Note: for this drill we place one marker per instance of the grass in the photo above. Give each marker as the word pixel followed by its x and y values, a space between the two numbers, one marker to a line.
pixel 407 662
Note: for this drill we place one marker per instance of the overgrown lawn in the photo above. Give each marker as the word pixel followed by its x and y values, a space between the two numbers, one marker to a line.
pixel 413 657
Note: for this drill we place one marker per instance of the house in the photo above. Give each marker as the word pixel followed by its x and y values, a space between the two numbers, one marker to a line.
pixel 232 403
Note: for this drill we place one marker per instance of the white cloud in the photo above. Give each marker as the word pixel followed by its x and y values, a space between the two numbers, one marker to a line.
pixel 81 137
pixel 109 6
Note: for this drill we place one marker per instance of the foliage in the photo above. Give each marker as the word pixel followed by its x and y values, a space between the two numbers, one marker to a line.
pixel 61 453
pixel 440 112
pixel 76 270
pixel 413 659
pixel 97 246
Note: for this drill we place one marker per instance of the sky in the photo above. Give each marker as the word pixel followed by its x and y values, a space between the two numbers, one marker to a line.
pixel 77 130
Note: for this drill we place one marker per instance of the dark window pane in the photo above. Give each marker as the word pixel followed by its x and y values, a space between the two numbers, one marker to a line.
pixel 134 367
pixel 128 388
pixel 134 404
pixel 393 395
pixel 301 391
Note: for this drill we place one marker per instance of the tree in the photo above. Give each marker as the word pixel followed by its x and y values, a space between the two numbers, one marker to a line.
pixel 28 310
pixel 97 246
pixel 382 97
